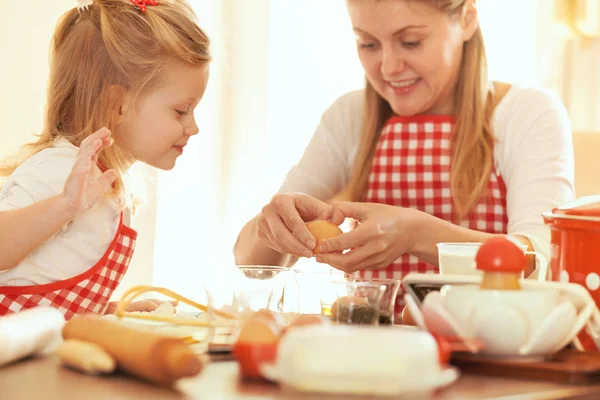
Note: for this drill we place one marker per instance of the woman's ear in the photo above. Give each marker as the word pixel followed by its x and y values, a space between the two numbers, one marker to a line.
pixel 118 101
pixel 469 20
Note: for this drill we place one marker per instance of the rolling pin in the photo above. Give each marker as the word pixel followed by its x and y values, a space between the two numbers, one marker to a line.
pixel 152 357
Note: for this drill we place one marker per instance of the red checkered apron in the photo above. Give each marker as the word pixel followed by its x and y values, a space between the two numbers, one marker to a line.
pixel 87 292
pixel 411 169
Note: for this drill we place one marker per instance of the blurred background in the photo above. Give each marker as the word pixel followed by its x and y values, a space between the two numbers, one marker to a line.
pixel 277 66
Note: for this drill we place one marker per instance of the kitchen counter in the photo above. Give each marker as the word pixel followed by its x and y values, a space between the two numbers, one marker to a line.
pixel 44 378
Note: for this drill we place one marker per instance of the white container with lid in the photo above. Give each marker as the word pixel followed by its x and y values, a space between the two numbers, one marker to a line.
pixel 362 360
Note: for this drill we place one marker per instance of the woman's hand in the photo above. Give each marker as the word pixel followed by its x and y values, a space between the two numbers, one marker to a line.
pixel 383 234
pixel 281 223
pixel 82 189
pixel 139 306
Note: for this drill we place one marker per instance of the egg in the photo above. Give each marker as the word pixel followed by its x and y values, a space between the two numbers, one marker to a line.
pixel 500 281
pixel 322 230
pixel 258 331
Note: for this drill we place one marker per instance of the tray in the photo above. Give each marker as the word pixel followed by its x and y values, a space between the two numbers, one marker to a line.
pixel 568 366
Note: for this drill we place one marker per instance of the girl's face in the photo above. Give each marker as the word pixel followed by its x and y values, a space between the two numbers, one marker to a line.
pixel 156 128
pixel 411 52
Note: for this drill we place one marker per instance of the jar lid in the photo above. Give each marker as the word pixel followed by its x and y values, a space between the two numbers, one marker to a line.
pixel 588 206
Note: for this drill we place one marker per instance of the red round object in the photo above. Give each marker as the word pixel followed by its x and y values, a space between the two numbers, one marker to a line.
pixel 500 254
pixel 251 356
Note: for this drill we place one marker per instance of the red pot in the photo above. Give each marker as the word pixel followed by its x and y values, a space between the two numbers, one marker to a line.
pixel 575 249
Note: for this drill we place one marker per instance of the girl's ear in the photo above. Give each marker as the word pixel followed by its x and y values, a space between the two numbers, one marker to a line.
pixel 469 20
pixel 118 99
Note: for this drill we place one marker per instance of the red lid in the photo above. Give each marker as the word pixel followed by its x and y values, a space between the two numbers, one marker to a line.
pixel 500 254
pixel 588 206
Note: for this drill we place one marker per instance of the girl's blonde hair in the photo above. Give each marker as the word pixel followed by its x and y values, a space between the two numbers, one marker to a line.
pixel 110 43
pixel 472 137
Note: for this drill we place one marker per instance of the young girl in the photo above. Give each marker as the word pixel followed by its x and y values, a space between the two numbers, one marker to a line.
pixel 125 78
pixel 429 152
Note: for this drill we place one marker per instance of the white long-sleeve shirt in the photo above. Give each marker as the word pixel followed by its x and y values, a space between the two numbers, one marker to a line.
pixel 81 243
pixel 533 154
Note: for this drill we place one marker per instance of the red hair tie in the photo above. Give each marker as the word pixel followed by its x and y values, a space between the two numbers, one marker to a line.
pixel 142 4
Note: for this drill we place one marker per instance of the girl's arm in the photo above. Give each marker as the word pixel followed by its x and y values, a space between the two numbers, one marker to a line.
pixel 24 230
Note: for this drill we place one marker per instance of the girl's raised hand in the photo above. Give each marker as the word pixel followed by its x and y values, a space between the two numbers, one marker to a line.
pixel 83 189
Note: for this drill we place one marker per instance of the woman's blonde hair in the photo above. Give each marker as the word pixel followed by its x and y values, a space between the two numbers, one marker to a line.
pixel 110 43
pixel 472 137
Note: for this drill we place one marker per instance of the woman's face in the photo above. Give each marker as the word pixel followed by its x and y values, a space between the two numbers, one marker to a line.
pixel 411 52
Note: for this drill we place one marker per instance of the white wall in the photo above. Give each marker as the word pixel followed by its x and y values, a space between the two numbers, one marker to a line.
pixel 569 66
pixel 285 74
pixel 510 48
pixel 188 251
pixel 24 67
pixel 25 32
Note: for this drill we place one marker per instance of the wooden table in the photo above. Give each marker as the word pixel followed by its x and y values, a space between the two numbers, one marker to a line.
pixel 45 379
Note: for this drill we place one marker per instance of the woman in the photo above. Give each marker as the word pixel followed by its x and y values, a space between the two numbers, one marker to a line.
pixel 430 151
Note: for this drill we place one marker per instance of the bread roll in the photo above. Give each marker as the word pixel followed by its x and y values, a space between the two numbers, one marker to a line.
pixel 86 357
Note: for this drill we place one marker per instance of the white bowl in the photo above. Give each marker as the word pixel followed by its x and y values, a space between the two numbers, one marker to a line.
pixel 537 320
pixel 468 303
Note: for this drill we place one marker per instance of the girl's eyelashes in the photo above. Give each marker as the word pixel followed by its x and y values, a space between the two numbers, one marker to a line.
pixel 183 112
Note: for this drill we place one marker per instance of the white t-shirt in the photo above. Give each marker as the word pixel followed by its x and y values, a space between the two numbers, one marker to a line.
pixel 533 154
pixel 79 244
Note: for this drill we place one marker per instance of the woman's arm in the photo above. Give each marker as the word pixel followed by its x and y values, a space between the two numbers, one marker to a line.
pixel 536 160
pixel 439 231
pixel 386 232
pixel 250 250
